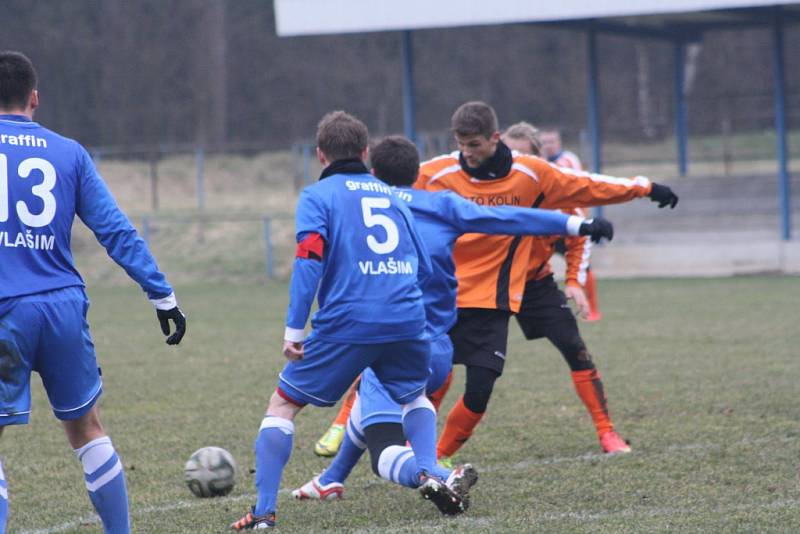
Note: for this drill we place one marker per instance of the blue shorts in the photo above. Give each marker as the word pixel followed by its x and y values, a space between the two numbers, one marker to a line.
pixel 47 333
pixel 376 404
pixel 328 369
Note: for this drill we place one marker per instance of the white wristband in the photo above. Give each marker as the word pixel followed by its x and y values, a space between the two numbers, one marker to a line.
pixel 167 303
pixel 574 225
pixel 295 335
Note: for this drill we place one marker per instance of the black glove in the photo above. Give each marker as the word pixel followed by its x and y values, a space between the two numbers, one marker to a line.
pixel 597 229
pixel 180 324
pixel 663 195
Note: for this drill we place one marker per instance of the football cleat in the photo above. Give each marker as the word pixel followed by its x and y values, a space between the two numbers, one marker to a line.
pixel 612 443
pixel 250 521
pixel 313 490
pixel 328 445
pixel 462 479
pixel 446 500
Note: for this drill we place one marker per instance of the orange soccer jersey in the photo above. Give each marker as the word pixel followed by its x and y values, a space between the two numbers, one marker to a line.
pixel 491 270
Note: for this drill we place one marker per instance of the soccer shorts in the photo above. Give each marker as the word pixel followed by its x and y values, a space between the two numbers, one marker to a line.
pixel 545 311
pixel 328 369
pixel 47 333
pixel 480 338
pixel 376 404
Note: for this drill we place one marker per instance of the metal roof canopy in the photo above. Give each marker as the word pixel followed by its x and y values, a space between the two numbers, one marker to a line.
pixel 677 22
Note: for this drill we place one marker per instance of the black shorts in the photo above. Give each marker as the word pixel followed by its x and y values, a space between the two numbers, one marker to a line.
pixel 545 310
pixel 480 338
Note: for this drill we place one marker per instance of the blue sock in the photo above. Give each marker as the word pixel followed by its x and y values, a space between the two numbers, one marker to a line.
pixel 273 449
pixel 348 456
pixel 419 426
pixel 397 464
pixel 105 481
pixel 3 500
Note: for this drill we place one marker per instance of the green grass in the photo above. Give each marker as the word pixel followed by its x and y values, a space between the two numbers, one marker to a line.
pixel 701 377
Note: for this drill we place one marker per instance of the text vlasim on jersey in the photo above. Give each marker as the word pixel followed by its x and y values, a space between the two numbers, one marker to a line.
pixel 27 240
pixel 391 266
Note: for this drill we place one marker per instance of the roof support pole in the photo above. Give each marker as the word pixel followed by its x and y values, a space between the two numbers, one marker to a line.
pixel 779 91
pixel 409 101
pixel 680 106
pixel 594 114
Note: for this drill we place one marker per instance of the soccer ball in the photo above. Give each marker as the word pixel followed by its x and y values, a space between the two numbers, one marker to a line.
pixel 210 472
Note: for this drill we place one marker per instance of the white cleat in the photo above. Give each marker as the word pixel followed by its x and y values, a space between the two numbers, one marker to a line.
pixel 314 490
pixel 462 479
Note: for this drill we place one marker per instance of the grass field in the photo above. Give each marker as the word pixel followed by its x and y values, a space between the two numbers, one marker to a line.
pixel 701 377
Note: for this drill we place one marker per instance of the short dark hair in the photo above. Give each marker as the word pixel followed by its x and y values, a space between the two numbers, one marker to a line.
pixel 17 79
pixel 474 118
pixel 395 160
pixel 341 136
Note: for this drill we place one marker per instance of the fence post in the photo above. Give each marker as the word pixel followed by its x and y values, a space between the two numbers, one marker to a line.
pixel 306 164
pixel 154 181
pixel 146 229
pixel 200 165
pixel 268 246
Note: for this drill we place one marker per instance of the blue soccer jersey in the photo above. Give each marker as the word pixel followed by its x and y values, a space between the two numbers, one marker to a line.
pixel 45 180
pixel 442 217
pixel 370 268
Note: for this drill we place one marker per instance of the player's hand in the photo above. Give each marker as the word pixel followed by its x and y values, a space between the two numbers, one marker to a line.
pixel 581 302
pixel 178 318
pixel 663 195
pixel 597 229
pixel 293 350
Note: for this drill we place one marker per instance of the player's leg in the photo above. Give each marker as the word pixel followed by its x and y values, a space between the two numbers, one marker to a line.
pixel 330 441
pixel 480 339
pixel 19 335
pixel 73 391
pixel 329 485
pixel 403 369
pixel 323 375
pixel 545 313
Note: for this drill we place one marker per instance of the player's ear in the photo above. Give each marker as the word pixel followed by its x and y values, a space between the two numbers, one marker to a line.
pixel 33 103
pixel 365 154
pixel 321 157
pixel 495 137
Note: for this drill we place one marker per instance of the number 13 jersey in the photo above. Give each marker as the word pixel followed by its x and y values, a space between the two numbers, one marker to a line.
pixel 45 180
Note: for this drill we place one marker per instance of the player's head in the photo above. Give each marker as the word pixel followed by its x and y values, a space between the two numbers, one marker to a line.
pixel 395 160
pixel 341 136
pixel 476 128
pixel 523 137
pixel 17 83
pixel 551 142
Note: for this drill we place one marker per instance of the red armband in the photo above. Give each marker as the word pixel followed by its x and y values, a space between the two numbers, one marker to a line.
pixel 311 247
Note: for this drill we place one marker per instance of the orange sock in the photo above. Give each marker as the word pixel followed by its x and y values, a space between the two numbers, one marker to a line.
pixel 347 405
pixel 437 396
pixel 591 292
pixel 461 421
pixel 590 390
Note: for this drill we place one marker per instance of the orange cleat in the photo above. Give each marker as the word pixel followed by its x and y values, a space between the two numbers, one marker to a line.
pixel 612 443
pixel 594 315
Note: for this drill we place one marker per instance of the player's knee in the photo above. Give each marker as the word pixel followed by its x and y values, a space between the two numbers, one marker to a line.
pixel 579 359
pixel 420 402
pixel 282 406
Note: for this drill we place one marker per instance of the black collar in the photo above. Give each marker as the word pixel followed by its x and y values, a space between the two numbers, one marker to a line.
pixel 498 166
pixel 344 166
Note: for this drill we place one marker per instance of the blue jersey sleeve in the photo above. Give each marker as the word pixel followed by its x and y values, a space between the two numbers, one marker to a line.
pixel 99 211
pixel 310 218
pixel 469 217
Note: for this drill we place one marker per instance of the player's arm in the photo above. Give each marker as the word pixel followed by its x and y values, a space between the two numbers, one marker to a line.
pixel 311 224
pixel 97 208
pixel 564 188
pixel 424 265
pixel 577 254
pixel 507 220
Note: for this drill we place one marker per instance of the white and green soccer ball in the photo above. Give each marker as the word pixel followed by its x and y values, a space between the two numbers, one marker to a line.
pixel 210 472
